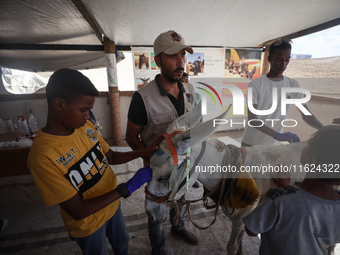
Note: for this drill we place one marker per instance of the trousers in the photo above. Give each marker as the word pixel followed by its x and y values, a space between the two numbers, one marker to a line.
pixel 114 230
pixel 157 215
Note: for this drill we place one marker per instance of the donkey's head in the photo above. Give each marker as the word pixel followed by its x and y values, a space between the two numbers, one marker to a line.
pixel 180 136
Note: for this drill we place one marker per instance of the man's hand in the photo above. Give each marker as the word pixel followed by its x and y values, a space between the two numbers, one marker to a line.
pixel 148 151
pixel 288 136
pixel 142 176
pixel 281 179
pixel 220 146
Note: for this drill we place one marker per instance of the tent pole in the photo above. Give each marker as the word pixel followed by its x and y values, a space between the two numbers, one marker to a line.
pixel 113 93
pixel 111 68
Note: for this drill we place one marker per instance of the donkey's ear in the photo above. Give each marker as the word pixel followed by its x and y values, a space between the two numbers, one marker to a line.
pixel 189 119
pixel 196 134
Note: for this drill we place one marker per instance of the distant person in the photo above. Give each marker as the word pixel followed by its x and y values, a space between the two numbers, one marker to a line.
pixel 70 163
pixel 302 218
pixel 273 133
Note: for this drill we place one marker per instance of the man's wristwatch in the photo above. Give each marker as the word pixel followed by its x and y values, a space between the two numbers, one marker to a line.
pixel 123 190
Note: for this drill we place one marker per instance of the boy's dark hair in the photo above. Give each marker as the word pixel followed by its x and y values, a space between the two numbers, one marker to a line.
pixel 67 84
pixel 279 45
pixel 324 146
pixel 185 74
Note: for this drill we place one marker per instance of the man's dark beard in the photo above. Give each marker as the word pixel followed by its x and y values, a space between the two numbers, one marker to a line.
pixel 170 77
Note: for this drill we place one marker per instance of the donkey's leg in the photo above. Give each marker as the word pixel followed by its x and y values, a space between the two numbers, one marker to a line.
pixel 157 214
pixel 234 246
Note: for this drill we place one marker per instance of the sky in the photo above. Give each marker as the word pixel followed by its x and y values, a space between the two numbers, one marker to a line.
pixel 325 43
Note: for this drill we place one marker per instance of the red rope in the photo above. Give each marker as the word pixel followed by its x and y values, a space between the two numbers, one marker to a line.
pixel 157 199
pixel 163 199
pixel 171 145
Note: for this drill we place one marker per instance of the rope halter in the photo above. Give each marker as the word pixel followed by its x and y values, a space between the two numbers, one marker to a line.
pixel 171 151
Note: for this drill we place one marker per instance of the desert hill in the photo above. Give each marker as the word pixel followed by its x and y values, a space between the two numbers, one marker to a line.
pixel 321 76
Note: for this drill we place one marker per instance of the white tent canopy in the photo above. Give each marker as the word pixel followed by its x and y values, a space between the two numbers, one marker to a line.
pixel 47 35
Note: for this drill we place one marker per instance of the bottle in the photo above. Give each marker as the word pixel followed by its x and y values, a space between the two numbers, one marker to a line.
pixel 32 123
pixel 3 127
pixel 9 125
pixel 22 123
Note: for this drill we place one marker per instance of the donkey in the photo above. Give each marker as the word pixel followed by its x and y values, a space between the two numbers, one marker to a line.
pixel 168 173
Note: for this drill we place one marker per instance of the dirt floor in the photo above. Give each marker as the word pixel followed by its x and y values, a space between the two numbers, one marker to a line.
pixel 38 230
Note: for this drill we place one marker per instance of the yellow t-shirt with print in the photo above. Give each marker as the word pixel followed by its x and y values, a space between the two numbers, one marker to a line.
pixel 63 166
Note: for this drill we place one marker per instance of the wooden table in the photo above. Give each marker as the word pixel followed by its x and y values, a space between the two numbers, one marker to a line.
pixel 13 161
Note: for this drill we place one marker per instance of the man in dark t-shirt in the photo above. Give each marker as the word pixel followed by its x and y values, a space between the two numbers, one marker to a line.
pixel 153 108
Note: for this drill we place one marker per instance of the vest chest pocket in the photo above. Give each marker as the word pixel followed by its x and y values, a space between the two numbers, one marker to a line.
pixel 160 123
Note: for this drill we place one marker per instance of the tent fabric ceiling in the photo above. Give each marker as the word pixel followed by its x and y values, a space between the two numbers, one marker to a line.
pixel 46 22
pixel 244 23
pixel 216 23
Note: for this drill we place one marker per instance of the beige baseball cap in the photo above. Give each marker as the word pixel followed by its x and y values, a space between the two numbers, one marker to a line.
pixel 170 43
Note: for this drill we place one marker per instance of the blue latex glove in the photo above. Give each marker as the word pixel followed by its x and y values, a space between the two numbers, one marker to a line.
pixel 142 176
pixel 288 136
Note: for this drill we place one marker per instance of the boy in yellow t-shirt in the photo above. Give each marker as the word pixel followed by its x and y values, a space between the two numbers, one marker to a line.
pixel 70 163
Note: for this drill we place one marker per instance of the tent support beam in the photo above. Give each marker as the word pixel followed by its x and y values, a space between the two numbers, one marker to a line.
pixel 314 29
pixel 117 133
pixel 318 28
pixel 109 48
pixel 266 65
pixel 80 6
pixel 75 47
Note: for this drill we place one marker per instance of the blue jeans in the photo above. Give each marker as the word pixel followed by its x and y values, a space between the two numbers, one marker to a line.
pixel 114 229
pixel 156 227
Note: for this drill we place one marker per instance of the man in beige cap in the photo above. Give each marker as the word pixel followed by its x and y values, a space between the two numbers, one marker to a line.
pixel 153 108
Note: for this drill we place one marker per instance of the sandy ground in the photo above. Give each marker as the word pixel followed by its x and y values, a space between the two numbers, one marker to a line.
pixel 38 230
pixel 314 68
pixel 320 76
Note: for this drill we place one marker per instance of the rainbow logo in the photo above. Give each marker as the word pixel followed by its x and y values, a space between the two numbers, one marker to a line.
pixel 209 93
